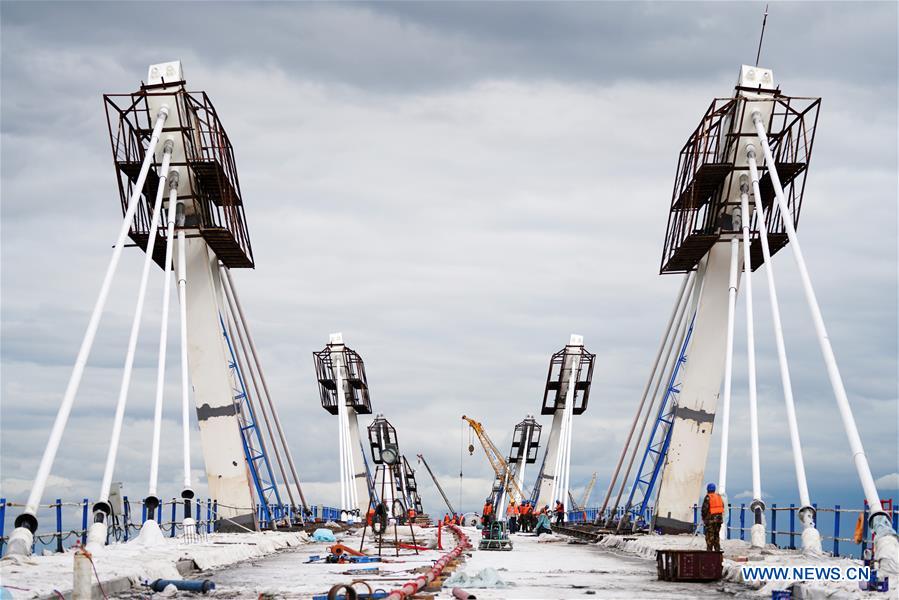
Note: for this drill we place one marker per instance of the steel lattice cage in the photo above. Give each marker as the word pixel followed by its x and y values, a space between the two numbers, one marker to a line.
pixel 355 390
pixel 707 167
pixel 559 374
pixel 211 195
pixel 525 441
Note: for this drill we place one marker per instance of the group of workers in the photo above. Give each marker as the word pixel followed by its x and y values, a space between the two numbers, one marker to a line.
pixel 524 517
pixel 455 519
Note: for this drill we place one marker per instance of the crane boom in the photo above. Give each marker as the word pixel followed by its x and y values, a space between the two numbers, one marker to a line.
pixel 437 483
pixel 588 490
pixel 495 457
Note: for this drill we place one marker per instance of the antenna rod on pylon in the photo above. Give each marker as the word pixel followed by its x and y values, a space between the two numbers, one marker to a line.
pixel 762 36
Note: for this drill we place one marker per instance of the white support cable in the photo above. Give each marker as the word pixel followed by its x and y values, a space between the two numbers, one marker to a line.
pixel 728 365
pixel 673 337
pixel 833 372
pixel 806 511
pixel 135 328
pixel 68 399
pixel 163 333
pixel 246 367
pixel 268 396
pixel 655 366
pixel 757 505
pixel 185 371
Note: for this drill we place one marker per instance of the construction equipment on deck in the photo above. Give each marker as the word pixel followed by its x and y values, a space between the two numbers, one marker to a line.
pixel 495 537
pixel 587 491
pixel 495 457
pixel 422 460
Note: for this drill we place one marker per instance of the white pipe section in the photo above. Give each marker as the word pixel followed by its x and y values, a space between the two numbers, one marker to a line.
pixel 728 365
pixel 566 472
pixel 185 371
pixel 135 328
pixel 655 367
pixel 792 424
pixel 163 333
pixel 523 465
pixel 87 343
pixel 243 320
pixel 750 357
pixel 833 371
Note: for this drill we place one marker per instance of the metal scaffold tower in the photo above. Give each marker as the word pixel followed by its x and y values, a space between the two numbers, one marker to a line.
pixel 181 204
pixel 736 201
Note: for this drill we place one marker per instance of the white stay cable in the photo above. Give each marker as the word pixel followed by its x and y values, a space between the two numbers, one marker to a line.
pixel 163 332
pixel 833 371
pixel 185 371
pixel 68 399
pixel 135 328
pixel 757 505
pixel 728 365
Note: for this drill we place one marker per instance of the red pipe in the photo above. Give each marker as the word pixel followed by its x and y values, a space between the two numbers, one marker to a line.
pixel 413 586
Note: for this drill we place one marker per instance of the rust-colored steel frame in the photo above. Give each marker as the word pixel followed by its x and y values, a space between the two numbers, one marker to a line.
pixel 707 168
pixel 213 188
pixel 356 379
pixel 552 400
pixel 381 434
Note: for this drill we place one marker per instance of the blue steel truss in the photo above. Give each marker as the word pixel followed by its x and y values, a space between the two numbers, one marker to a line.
pixel 266 488
pixel 659 439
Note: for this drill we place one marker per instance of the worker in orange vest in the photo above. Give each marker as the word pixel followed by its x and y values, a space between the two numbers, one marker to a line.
pixel 446 519
pixel 487 512
pixel 512 516
pixel 410 514
pixel 370 516
pixel 712 517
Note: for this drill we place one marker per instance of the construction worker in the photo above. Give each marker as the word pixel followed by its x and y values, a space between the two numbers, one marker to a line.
pixel 560 512
pixel 410 515
pixel 456 519
pixel 527 517
pixel 487 513
pixel 712 517
pixel 542 525
pixel 370 516
pixel 512 516
pixel 446 519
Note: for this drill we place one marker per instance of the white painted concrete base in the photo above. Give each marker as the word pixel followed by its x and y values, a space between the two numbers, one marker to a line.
pixel 96 537
pixel 20 541
pixel 83 577
pixel 757 536
pixel 150 534
pixel 886 551
pixel 811 541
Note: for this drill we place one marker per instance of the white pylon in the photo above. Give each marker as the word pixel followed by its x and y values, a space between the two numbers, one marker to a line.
pixel 886 541
pixel 811 539
pixel 185 371
pixel 728 373
pixel 757 532
pixel 20 541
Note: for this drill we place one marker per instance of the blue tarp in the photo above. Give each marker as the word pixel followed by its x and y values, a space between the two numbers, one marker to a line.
pixel 324 535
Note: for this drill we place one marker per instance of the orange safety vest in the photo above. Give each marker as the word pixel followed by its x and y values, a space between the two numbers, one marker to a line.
pixel 511 510
pixel 370 516
pixel 716 504
pixel 488 509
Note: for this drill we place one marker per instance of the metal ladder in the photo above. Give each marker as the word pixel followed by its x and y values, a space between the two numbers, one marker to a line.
pixel 657 446
pixel 266 488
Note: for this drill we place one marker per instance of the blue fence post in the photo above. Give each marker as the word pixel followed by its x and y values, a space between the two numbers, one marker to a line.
pixel 159 514
pixel 127 516
pixel 792 527
pixel 208 515
pixel 215 513
pixel 727 531
pixel 59 525
pixel 198 515
pixel 143 513
pixel 695 518
pixel 84 522
pixel 742 521
pixel 836 530
pixel 2 522
pixel 865 529
pixel 174 516
pixel 895 519
pixel 774 524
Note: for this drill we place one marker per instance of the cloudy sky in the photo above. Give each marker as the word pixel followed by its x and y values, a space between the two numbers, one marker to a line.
pixel 457 188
